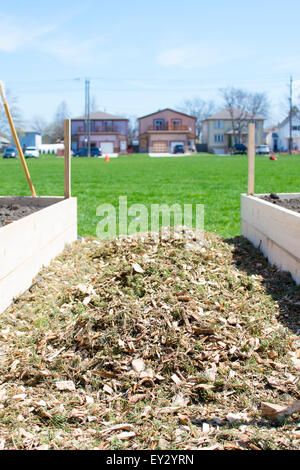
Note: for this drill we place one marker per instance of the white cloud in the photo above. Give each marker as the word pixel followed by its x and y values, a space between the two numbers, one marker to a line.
pixel 46 38
pixel 201 55
pixel 70 50
pixel 16 34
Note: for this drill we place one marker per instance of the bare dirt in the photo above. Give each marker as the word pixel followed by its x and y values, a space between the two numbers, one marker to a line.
pixel 291 204
pixel 11 212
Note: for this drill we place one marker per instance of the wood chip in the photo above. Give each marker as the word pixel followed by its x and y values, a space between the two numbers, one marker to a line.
pixel 117 427
pixel 138 365
pixel 273 411
pixel 203 331
pixel 123 436
pixel 65 385
pixel 137 268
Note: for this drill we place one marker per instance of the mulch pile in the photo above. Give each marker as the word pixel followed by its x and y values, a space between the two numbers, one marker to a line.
pixel 144 344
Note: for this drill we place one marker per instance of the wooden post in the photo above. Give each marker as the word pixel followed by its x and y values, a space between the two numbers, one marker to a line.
pixel 67 143
pixel 251 158
pixel 16 139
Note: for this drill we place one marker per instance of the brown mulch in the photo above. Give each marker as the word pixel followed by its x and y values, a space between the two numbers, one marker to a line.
pixel 139 344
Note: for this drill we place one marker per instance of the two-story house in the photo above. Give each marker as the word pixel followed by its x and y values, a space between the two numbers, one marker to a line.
pixel 107 132
pixel 161 131
pixel 225 128
pixel 283 132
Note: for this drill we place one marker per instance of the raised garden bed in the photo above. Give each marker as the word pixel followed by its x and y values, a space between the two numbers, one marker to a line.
pixel 33 240
pixel 273 225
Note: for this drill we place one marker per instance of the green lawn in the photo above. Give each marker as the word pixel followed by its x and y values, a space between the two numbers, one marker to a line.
pixel 215 181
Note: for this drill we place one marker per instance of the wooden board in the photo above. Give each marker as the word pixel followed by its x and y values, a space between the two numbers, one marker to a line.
pixel 32 242
pixel 274 230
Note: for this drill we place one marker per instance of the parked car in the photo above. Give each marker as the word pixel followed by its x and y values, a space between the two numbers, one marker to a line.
pixel 262 150
pixel 239 149
pixel 31 152
pixel 178 148
pixel 10 152
pixel 95 152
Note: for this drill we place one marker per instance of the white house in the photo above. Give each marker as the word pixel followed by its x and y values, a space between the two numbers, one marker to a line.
pixel 271 138
pixel 30 138
pixel 3 142
pixel 283 132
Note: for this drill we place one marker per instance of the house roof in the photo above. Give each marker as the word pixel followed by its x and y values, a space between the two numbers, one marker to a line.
pixel 167 109
pixel 295 121
pixel 270 129
pixel 225 114
pixel 100 115
pixel 295 116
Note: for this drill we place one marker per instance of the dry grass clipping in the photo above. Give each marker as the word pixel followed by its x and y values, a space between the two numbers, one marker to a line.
pixel 134 344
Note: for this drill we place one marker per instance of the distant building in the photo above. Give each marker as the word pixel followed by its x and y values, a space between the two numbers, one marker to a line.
pixel 159 132
pixel 271 138
pixel 4 142
pixel 30 138
pixel 219 135
pixel 284 134
pixel 107 132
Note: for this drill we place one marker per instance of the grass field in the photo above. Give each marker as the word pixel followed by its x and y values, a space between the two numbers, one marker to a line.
pixel 215 181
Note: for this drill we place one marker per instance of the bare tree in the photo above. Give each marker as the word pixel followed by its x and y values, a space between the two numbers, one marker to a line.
pixel 16 115
pixel 200 109
pixel 93 104
pixel 55 131
pixel 258 104
pixel 39 124
pixel 242 106
pixel 133 128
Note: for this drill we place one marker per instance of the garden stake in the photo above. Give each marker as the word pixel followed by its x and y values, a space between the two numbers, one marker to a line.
pixel 16 139
pixel 251 158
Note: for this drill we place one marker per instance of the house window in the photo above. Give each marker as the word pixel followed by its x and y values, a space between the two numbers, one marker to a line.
pixel 219 124
pixel 107 126
pixel 219 138
pixel 159 124
pixel 176 123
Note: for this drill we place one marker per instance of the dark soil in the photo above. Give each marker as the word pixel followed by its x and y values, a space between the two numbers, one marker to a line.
pixel 291 204
pixel 12 212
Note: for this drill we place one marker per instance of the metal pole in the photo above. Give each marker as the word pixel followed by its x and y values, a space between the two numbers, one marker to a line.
pixel 88 119
pixel 291 116
pixel 86 114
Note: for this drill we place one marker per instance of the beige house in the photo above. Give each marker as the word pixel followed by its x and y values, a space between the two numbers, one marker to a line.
pixel 159 132
pixel 222 130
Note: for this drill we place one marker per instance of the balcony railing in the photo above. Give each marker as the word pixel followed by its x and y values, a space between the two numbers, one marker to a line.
pixel 100 129
pixel 169 127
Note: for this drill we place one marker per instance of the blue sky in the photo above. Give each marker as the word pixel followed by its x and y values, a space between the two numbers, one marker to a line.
pixel 141 56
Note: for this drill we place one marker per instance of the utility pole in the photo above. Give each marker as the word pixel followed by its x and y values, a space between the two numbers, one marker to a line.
pixel 291 116
pixel 87 116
